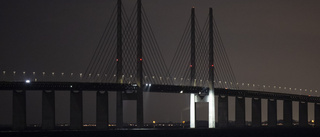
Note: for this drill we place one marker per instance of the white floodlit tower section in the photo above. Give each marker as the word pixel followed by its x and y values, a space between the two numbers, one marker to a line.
pixel 211 74
pixel 192 70
pixel 194 98
pixel 212 117
pixel 192 111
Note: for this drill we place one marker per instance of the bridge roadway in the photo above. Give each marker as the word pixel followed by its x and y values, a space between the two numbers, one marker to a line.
pixel 85 86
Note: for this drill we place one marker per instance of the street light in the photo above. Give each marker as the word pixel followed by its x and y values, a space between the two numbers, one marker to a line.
pixel 28 81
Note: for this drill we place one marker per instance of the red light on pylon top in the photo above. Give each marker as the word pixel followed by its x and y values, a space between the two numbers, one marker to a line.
pixel 212 65
pixel 117 60
pixel 190 66
pixel 140 59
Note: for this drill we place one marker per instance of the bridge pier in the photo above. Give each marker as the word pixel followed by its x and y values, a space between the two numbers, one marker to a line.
pixel 48 109
pixel 19 110
pixel 223 110
pixel 76 112
pixel 317 114
pixel 192 111
pixel 102 112
pixel 240 111
pixel 194 98
pixel 303 113
pixel 119 109
pixel 138 96
pixel 287 113
pixel 139 77
pixel 256 112
pixel 140 122
pixel 212 117
pixel 272 112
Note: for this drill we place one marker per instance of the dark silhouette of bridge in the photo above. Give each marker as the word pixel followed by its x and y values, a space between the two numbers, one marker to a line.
pixel 131 63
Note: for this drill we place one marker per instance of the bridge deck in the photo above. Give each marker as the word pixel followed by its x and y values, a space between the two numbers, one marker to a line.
pixel 153 88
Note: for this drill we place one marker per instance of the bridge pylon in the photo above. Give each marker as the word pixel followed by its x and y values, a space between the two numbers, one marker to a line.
pixel 48 109
pixel 119 105
pixel 206 96
pixel 139 67
pixel 19 116
pixel 138 94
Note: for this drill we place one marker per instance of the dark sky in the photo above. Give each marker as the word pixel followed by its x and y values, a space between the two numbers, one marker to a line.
pixel 268 42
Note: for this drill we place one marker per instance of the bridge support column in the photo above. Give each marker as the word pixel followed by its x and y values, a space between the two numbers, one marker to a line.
pixel 287 113
pixel 119 109
pixel 256 112
pixel 140 122
pixel 19 110
pixel 48 109
pixel 223 110
pixel 76 110
pixel 102 113
pixel 272 112
pixel 212 118
pixel 303 113
pixel 194 98
pixel 240 111
pixel 139 77
pixel 192 111
pixel 317 114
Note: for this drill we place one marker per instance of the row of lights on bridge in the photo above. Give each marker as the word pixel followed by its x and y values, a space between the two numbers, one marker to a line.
pixel 34 73
pixel 81 75
pixel 220 82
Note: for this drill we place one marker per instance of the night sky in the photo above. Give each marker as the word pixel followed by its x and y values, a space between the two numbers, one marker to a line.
pixel 268 43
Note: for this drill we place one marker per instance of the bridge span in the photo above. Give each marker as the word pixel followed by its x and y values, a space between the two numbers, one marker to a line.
pixel 128 53
pixel 129 92
pixel 85 86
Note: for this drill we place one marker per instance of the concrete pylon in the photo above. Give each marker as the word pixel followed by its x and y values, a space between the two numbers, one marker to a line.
pixel 272 112
pixel 48 109
pixel 223 116
pixel 303 113
pixel 240 111
pixel 256 112
pixel 192 111
pixel 76 111
pixel 19 110
pixel 287 113
pixel 102 118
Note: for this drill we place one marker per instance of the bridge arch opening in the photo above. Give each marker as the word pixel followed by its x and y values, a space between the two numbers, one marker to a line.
pixel 33 108
pixel 202 110
pixel 129 112
pixel 62 108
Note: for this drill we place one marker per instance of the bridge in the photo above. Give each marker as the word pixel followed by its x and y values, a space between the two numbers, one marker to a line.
pixel 131 63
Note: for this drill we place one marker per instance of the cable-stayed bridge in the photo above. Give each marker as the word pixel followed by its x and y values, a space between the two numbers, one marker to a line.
pixel 128 60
